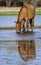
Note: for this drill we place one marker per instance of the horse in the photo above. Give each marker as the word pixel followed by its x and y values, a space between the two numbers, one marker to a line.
pixel 27 12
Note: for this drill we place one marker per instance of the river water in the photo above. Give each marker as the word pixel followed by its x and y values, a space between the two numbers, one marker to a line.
pixel 6 21
pixel 24 52
pixel 15 53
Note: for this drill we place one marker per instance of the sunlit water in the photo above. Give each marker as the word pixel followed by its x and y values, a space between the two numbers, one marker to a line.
pixel 9 51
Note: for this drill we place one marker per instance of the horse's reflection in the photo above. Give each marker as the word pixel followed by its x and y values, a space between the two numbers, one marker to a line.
pixel 27 49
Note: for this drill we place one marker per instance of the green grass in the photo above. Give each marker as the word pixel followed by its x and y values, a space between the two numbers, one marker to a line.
pixel 15 13
pixel 38 12
pixel 9 13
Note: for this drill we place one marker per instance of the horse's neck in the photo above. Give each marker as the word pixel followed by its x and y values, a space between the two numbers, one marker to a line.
pixel 18 20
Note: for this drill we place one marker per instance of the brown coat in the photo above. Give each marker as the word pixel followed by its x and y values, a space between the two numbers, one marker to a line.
pixel 26 13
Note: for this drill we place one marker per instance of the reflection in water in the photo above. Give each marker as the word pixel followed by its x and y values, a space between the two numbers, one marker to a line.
pixel 9 54
pixel 27 49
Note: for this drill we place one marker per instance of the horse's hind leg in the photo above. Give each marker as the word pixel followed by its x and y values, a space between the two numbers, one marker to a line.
pixel 26 24
pixel 32 23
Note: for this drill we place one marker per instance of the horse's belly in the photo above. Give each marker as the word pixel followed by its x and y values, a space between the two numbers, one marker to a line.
pixel 30 14
pixel 30 17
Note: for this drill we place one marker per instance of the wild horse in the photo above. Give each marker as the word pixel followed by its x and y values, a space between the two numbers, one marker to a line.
pixel 27 12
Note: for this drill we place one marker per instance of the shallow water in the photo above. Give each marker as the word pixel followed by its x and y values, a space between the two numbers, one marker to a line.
pixel 6 21
pixel 25 52
pixel 10 54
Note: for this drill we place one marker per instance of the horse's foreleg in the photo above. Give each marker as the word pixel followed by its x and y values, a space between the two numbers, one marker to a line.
pixel 26 24
pixel 32 23
pixel 22 26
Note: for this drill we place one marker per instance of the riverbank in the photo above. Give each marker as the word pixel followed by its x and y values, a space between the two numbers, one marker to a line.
pixel 15 11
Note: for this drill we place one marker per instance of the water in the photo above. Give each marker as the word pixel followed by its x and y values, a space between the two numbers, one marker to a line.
pixel 6 21
pixel 25 52
pixel 11 53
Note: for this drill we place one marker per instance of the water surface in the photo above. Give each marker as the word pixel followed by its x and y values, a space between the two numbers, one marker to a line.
pixel 25 52
pixel 11 53
pixel 9 21
pixel 6 21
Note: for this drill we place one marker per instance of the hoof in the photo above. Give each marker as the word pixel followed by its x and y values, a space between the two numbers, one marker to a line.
pixel 32 30
pixel 17 31
pixel 23 30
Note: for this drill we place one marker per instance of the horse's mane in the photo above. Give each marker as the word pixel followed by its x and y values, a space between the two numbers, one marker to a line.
pixel 22 8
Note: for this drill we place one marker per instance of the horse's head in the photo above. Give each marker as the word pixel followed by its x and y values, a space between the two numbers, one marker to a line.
pixel 18 27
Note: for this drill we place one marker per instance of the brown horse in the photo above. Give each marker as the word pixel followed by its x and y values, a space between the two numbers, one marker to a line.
pixel 26 13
